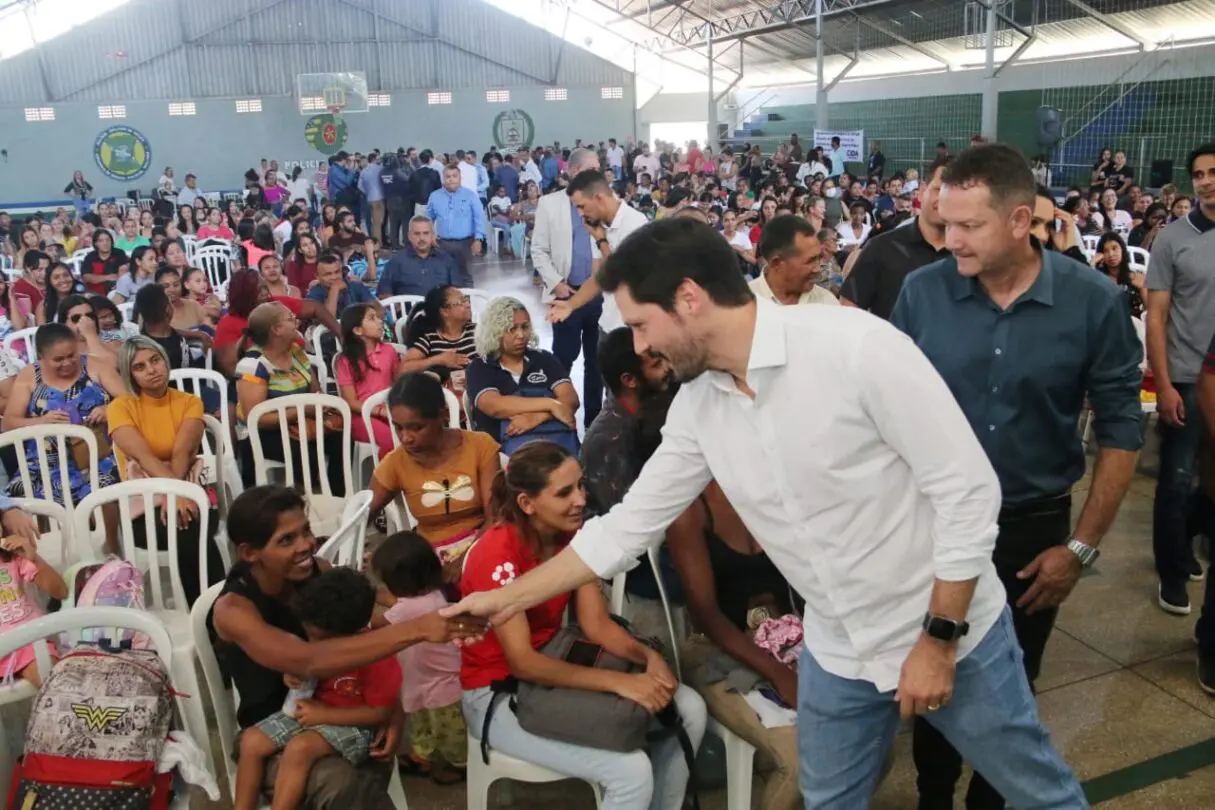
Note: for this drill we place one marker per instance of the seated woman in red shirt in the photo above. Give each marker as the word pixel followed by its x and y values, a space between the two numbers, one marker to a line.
pixel 245 292
pixel 539 500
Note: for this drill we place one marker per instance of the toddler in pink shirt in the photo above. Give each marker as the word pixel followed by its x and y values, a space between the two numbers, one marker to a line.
pixel 430 690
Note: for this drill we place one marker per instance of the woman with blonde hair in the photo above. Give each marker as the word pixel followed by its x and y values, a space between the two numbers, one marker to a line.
pixel 518 391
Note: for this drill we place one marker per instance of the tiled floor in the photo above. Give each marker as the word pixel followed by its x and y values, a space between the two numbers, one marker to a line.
pixel 1117 689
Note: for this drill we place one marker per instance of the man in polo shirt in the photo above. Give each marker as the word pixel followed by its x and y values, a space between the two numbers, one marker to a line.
pixel 607 221
pixel 791 252
pixel 334 292
pixel 1180 320
pixel 1021 336
pixel 458 217
pixel 419 268
pixel 877 276
pixel 837 155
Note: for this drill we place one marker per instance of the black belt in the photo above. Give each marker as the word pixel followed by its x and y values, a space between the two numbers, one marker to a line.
pixel 461 239
pixel 1048 504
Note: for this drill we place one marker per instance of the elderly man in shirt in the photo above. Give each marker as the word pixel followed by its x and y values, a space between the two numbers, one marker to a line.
pixel 459 218
pixel 882 519
pixel 1022 336
pixel 565 257
pixel 792 256
pixel 420 268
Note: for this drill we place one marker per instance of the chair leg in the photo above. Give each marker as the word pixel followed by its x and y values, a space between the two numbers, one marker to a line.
pixel 478 781
pixel 190 703
pixel 740 764
pixel 396 791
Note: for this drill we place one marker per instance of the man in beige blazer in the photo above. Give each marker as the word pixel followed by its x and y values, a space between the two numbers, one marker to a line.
pixel 564 257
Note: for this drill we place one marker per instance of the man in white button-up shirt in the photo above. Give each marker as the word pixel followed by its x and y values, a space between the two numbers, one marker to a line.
pixel 880 511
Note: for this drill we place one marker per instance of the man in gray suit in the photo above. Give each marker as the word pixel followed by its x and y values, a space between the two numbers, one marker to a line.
pixel 561 251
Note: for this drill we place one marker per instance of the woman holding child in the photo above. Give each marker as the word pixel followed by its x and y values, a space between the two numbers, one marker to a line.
pixel 264 644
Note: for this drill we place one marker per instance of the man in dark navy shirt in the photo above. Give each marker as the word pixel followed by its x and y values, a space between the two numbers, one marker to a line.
pixel 420 267
pixel 1022 335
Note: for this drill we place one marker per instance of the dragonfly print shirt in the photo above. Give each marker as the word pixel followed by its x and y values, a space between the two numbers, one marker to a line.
pixel 447 500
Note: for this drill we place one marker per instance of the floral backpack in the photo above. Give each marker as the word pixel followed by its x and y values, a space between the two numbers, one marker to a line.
pixel 109 583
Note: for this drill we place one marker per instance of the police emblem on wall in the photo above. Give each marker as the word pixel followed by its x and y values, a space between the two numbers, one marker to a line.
pixel 122 153
pixel 514 128
pixel 326 133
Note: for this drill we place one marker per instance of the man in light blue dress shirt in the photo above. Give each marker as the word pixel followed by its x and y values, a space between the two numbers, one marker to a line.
pixel 373 195
pixel 458 217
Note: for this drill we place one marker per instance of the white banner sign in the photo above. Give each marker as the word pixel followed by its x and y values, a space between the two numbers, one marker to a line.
pixel 851 141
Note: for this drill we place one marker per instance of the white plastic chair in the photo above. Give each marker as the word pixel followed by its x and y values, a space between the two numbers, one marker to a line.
pixel 226 475
pixel 26 355
pixel 158 592
pixel 319 331
pixel 191 246
pixel 58 437
pixel 224 699
pixel 324 506
pixel 345 546
pixel 216 262
pixel 365 452
pixel 72 622
pixel 503 766
pixel 398 307
pixel 1139 259
pixel 1090 242
pixel 56 544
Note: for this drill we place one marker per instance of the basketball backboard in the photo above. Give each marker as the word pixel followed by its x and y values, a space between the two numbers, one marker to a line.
pixel 340 93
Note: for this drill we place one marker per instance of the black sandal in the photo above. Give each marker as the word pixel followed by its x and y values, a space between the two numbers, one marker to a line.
pixel 447 775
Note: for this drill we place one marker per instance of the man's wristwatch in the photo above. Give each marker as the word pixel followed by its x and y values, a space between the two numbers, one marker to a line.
pixel 1087 554
pixel 943 629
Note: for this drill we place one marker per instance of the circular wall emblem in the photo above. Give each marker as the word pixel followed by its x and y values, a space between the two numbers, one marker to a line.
pixel 122 153
pixel 514 128
pixel 326 133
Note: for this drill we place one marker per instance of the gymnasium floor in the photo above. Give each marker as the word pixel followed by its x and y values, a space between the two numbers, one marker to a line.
pixel 1117 689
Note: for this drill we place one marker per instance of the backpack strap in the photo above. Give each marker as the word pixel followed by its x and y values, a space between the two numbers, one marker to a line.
pixel 507 686
pixel 672 726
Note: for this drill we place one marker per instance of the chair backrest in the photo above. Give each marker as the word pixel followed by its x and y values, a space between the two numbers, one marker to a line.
pixel 220 460
pixel 74 621
pixel 196 380
pixel 223 698
pixel 67 554
pixel 293 410
pixel 398 307
pixel 127 308
pixel 216 262
pixel 1090 242
pixel 59 437
pixel 345 546
pixel 377 399
pixel 478 299
pixel 124 494
pixel 318 332
pixel 1139 259
pixel 20 344
pixel 453 409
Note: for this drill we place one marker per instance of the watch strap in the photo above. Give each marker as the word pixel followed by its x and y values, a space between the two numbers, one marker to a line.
pixel 1086 553
pixel 944 629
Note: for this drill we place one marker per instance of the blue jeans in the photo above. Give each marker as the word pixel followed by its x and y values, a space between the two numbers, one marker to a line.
pixel 580 333
pixel 845 729
pixel 1179 447
pixel 631 781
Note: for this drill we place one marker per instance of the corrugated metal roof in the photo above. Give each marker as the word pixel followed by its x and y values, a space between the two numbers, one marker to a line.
pixel 153 49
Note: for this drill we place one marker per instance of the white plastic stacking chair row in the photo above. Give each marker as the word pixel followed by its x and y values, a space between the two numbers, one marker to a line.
pixel 345 546
pixel 72 622
pixel 224 699
pixel 312 479
pixel 165 599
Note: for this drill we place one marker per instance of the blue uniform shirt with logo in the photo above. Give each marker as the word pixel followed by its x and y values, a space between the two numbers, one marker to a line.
pixel 542 373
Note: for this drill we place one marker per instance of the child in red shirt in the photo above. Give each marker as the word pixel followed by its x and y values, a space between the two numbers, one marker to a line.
pixel 342 714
